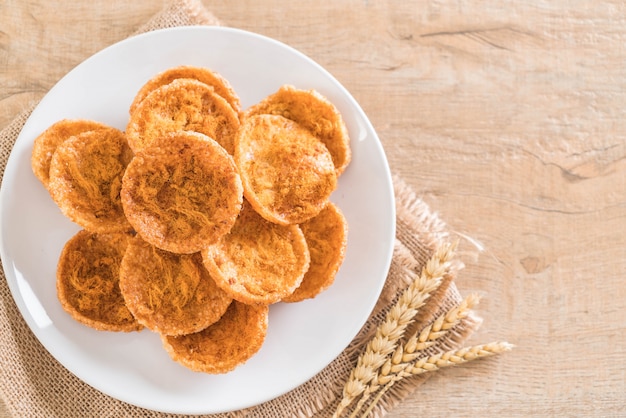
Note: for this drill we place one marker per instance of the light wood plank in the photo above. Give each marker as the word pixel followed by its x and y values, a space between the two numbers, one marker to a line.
pixel 507 117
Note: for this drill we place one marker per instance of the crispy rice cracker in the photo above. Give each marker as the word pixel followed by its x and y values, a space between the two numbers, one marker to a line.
pixel 88 281
pixel 204 75
pixel 182 192
pixel 316 113
pixel 326 237
pixel 182 105
pixel 171 294
pixel 287 173
pixel 258 261
pixel 86 176
pixel 223 346
pixel 48 141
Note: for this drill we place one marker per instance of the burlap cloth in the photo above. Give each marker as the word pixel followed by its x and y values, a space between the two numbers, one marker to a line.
pixel 34 384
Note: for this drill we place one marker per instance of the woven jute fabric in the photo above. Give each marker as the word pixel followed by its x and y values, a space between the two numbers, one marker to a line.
pixel 34 384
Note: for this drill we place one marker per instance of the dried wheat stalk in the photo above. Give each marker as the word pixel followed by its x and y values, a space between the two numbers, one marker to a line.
pixel 441 360
pixel 391 330
pixel 415 345
pixel 425 338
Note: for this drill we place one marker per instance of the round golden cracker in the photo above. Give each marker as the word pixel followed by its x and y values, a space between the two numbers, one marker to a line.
pixel 168 293
pixel 326 237
pixel 182 105
pixel 223 346
pixel 204 75
pixel 88 281
pixel 258 262
pixel 316 113
pixel 182 192
pixel 86 176
pixel 48 141
pixel 287 173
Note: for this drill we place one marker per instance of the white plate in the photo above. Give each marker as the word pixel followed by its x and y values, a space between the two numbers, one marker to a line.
pixel 302 338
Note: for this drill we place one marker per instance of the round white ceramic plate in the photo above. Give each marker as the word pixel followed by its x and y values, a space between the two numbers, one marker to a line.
pixel 302 338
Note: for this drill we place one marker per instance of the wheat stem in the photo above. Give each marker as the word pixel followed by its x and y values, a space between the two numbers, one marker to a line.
pixel 397 319
pixel 441 360
pixel 418 342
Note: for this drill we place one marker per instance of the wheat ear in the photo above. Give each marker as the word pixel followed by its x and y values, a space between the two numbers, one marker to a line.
pixel 425 338
pixel 392 328
pixel 439 361
pixel 413 347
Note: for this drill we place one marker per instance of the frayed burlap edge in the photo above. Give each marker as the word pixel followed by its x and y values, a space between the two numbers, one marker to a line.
pixel 33 384
pixel 180 13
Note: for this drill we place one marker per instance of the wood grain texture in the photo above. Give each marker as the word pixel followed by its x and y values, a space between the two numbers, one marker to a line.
pixel 508 119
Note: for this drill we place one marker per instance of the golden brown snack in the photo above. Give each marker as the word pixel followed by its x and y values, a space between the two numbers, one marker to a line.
pixel 204 75
pixel 287 173
pixel 316 113
pixel 220 348
pixel 258 261
pixel 182 192
pixel 326 237
pixel 86 176
pixel 182 105
pixel 88 281
pixel 171 294
pixel 48 141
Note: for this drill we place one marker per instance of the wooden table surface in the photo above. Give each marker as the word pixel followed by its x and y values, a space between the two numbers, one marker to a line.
pixel 507 117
